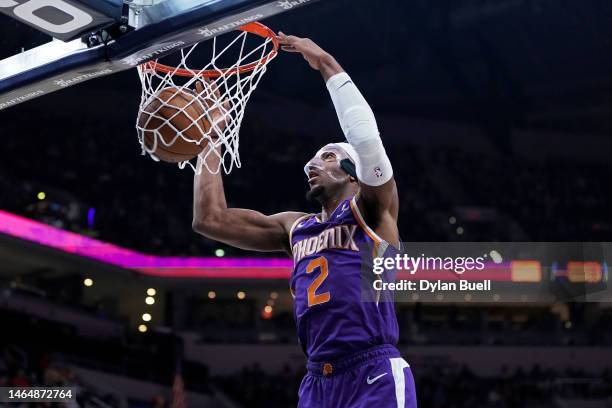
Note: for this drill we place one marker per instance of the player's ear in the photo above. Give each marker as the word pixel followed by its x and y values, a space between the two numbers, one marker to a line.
pixel 352 179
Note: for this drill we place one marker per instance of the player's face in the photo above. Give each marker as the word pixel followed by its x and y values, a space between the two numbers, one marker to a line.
pixel 324 172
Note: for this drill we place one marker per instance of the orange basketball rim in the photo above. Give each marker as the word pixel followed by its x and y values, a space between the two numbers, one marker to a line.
pixel 253 28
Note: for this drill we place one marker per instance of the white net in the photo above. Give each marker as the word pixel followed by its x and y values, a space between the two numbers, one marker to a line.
pixel 186 113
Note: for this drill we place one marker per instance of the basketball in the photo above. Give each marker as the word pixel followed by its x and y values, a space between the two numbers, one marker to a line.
pixel 166 114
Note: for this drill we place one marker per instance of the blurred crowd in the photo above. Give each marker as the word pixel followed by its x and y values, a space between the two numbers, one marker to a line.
pixel 27 367
pixel 26 360
pixel 32 367
pixel 104 188
pixel 571 324
pixel 535 387
pixel 442 385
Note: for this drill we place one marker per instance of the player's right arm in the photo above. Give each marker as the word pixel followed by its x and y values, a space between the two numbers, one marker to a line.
pixel 238 227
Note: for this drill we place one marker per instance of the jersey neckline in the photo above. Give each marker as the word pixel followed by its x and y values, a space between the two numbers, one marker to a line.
pixel 345 202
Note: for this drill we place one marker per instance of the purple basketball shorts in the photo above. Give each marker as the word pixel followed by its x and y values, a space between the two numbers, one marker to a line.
pixel 378 377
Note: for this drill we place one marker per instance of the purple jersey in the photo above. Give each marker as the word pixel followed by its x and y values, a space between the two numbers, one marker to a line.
pixel 333 319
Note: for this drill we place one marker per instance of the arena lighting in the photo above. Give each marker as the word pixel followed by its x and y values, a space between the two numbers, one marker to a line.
pixel 91 214
pixel 151 292
pixel 496 256
pixel 41 196
pixel 88 282
pixel 212 294
pixel 159 266
pixel 459 230
pixel 175 267
pixel 146 317
pixel 142 328
pixel 219 252
pixel 274 295
pixel 149 300
pixel 526 271
pixel 452 220
pixel 266 313
pixel 584 272
pixel 241 295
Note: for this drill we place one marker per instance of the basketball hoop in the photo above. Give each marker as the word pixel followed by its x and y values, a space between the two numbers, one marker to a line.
pixel 228 78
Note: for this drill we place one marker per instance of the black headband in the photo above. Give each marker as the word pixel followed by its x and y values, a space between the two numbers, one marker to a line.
pixel 349 167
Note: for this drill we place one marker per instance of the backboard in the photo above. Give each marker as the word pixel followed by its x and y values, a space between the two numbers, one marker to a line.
pixel 103 37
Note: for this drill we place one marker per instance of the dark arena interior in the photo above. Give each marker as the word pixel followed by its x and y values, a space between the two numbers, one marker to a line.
pixel 497 118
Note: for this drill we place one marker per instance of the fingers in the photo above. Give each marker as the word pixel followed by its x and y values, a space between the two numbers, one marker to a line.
pixel 287 48
pixel 214 87
pixel 287 42
pixel 284 38
pixel 202 93
pixel 217 109
pixel 207 88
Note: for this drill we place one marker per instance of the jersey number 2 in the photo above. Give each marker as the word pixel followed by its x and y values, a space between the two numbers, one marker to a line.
pixel 313 297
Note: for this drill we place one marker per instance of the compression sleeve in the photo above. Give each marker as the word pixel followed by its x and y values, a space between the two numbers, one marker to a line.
pixel 360 129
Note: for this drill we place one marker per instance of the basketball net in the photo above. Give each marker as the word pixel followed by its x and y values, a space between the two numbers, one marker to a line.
pixel 226 91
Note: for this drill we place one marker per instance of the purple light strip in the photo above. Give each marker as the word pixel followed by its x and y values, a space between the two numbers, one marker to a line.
pixel 253 268
pixel 174 267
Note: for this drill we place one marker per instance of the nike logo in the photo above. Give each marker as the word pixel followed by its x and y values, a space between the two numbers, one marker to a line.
pixel 373 380
pixel 344 208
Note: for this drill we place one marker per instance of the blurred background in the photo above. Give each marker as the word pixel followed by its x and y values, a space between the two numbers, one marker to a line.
pixel 497 117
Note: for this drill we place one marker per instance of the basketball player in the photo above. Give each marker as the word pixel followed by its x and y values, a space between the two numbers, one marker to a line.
pixel 350 343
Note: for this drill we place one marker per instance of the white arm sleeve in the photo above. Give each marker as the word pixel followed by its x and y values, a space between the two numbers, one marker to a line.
pixel 359 126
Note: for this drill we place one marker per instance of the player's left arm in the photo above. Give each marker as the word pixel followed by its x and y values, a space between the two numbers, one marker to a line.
pixel 377 199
